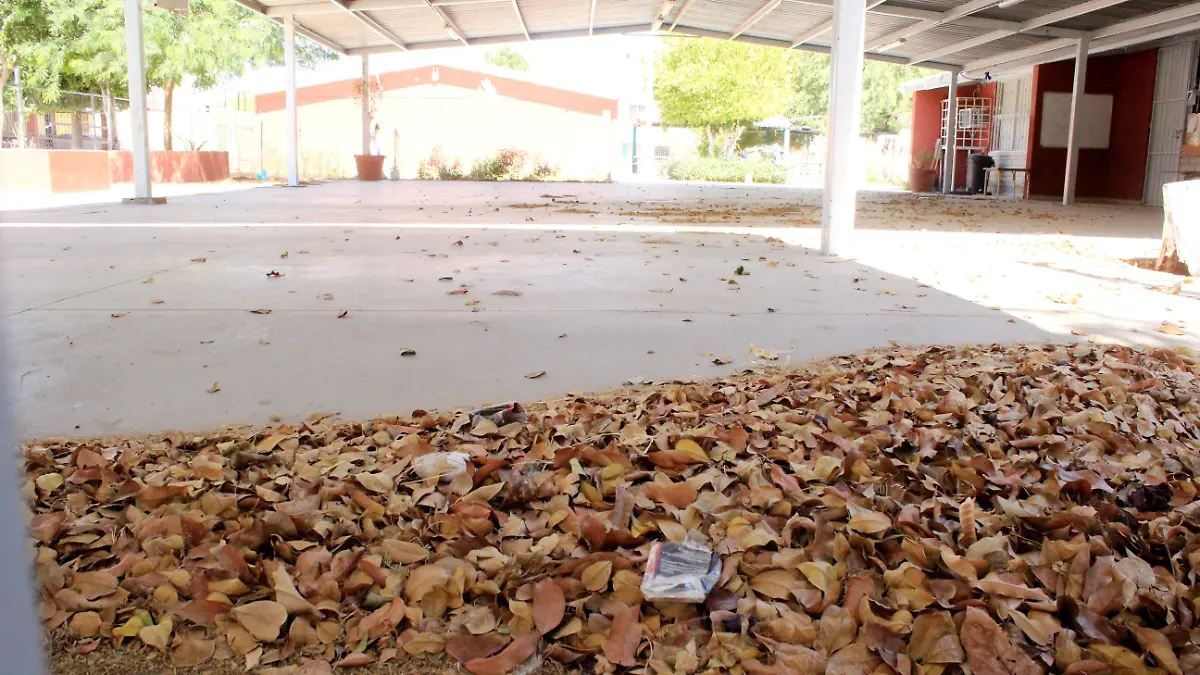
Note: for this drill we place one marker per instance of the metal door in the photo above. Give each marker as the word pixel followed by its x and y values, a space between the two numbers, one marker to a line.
pixel 1176 72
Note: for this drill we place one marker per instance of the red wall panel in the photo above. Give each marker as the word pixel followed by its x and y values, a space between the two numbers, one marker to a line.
pixel 1117 172
pixel 927 121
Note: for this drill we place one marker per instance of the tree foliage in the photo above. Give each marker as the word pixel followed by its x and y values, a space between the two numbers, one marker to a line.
pixel 507 57
pixel 721 86
pixel 884 108
pixel 80 46
pixel 23 25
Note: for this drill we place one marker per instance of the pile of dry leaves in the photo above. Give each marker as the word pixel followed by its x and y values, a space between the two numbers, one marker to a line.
pixel 937 510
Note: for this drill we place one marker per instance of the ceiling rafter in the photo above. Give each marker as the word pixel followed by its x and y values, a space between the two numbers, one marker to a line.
pixel 683 7
pixel 451 28
pixel 521 19
pixel 926 24
pixel 661 14
pixel 373 25
pixel 823 28
pixel 1029 25
pixel 1145 21
pixel 758 15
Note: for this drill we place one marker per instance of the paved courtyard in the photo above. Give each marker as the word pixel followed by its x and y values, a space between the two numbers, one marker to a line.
pixel 136 318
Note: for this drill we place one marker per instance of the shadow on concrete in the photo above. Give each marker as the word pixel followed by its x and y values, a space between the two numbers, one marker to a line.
pixel 93 352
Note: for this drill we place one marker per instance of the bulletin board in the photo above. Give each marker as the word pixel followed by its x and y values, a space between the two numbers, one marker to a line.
pixel 1095 120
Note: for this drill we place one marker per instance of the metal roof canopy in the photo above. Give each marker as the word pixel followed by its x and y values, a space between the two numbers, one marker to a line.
pixel 973 36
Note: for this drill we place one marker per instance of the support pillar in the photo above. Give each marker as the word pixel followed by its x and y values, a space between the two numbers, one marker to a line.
pixel 139 141
pixel 787 140
pixel 366 105
pixel 845 104
pixel 949 165
pixel 289 66
pixel 1077 91
pixel 21 121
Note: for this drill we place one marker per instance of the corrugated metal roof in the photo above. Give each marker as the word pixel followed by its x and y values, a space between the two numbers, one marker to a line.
pixel 347 24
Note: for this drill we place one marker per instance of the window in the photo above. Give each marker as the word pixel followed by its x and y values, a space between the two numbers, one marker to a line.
pixel 662 152
pixel 637 112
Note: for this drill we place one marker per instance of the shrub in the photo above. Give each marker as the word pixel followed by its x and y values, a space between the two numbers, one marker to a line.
pixel 504 165
pixel 438 167
pixel 727 170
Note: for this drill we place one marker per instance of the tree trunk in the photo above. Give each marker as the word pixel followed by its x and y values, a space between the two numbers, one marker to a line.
pixel 168 99
pixel 110 118
pixel 76 130
pixel 6 69
pixel 713 149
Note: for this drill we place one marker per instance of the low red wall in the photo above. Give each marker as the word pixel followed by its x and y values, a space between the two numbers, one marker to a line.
pixel 53 170
pixel 173 167
pixel 90 170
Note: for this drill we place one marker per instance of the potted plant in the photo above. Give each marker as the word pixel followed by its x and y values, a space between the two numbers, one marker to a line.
pixel 370 167
pixel 922 177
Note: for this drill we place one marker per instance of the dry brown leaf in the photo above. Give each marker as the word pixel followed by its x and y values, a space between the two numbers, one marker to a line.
pixel 854 659
pixel 216 386
pixel 989 651
pixel 262 619
pixel 624 635
pixel 535 374
pixel 870 522
pixel 515 654
pixel 157 636
pixel 510 293
pixel 935 639
pixel 836 629
pixel 596 575
pixel 192 652
pixel 466 648
pixel 1157 644
pixel 1170 328
pixel 549 605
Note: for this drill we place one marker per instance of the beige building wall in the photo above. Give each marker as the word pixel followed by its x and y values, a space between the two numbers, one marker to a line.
pixel 468 125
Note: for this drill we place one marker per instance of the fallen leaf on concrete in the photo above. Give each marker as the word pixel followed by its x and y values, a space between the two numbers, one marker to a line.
pixel 343 314
pixel 283 255
pixel 457 291
pixel 199 260
pixel 149 280
pixel 535 374
pixel 118 315
pixel 259 311
pixel 1170 328
pixel 157 301
pixel 274 274
pixel 719 361
pixel 506 292
pixel 325 296
pixel 407 351
pixel 662 290
pixel 216 386
pixel 264 342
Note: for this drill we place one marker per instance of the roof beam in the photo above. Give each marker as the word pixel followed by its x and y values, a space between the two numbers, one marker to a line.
pixel 505 39
pixel 823 28
pixel 683 7
pixel 372 24
pixel 926 24
pixel 661 14
pixel 307 8
pixel 258 8
pixel 1147 21
pixel 592 19
pixel 1030 25
pixel 521 19
pixel 448 23
pixel 758 15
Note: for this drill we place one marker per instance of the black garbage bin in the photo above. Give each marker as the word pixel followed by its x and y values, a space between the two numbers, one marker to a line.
pixel 975 166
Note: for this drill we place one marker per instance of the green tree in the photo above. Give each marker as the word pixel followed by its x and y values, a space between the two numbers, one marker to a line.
pixel 507 57
pixel 721 86
pixel 23 26
pixel 884 108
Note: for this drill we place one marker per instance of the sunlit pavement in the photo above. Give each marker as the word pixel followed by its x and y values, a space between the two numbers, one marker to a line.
pixel 127 328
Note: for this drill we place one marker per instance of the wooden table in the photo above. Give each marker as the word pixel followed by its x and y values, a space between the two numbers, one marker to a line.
pixel 997 171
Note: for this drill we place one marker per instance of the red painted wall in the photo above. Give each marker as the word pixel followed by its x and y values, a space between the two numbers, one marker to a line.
pixel 173 167
pixel 447 76
pixel 927 122
pixel 1117 172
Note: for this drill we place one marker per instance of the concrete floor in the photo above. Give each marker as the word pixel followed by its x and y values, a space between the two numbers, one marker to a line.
pixel 617 283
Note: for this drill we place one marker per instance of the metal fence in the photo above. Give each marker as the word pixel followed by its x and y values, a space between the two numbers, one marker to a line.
pixel 78 121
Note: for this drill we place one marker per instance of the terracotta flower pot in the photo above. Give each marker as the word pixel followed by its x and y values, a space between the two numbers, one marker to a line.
pixel 370 167
pixel 921 180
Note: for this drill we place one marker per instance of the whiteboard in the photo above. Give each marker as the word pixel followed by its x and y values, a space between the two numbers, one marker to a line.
pixel 1095 120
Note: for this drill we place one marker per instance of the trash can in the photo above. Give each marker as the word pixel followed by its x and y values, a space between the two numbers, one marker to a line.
pixel 975 166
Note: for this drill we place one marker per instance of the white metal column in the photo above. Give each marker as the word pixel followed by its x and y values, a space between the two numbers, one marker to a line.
pixel 366 105
pixel 949 165
pixel 139 142
pixel 1168 124
pixel 1077 91
pixel 20 107
pixel 845 103
pixel 289 66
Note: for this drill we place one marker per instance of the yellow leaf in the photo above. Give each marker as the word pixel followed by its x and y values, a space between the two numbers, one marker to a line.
pixel 375 481
pixel 130 628
pixel 49 482
pixel 775 584
pixel 825 467
pixel 820 574
pixel 1123 660
pixel 157 636
pixel 595 576
pixel 692 449
pixel 404 552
